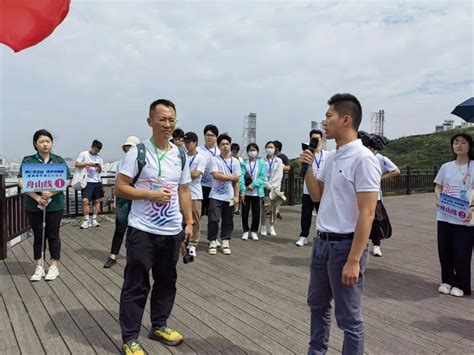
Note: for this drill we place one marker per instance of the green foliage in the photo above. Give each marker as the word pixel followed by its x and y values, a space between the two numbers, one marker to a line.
pixel 423 151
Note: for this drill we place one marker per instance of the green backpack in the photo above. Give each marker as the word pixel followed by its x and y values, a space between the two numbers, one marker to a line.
pixel 122 205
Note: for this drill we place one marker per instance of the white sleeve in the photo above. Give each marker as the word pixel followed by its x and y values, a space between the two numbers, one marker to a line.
pixel 201 164
pixel 367 175
pixel 129 165
pixel 440 177
pixel 185 174
pixel 81 158
pixel 388 165
pixel 278 175
pixel 237 170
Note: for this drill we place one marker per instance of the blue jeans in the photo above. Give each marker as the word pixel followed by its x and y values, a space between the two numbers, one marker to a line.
pixel 325 284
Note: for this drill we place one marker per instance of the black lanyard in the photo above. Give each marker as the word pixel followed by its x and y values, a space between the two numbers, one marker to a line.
pixel 230 167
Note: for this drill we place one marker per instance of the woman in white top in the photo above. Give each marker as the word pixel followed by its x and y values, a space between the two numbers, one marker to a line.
pixel 456 231
pixel 274 167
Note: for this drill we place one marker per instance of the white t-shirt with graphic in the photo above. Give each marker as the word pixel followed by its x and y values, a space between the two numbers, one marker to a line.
pixel 87 157
pixel 209 154
pixel 146 215
pixel 318 164
pixel 457 181
pixel 197 162
pixel 223 190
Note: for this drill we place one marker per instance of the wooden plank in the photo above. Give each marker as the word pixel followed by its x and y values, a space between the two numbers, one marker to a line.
pixel 55 346
pixel 7 337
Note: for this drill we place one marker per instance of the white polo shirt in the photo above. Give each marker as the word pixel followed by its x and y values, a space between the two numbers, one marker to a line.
pixel 206 179
pixel 351 169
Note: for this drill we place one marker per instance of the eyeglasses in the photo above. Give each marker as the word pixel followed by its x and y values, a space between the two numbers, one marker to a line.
pixel 163 120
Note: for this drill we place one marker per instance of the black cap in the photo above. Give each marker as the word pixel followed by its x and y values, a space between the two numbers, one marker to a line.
pixel 191 136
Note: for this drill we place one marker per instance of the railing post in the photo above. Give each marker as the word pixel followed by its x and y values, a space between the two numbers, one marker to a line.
pixel 408 181
pixel 3 218
pixel 291 187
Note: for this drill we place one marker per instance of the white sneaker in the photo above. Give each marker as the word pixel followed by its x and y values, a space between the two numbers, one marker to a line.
pixel 272 231
pixel 95 223
pixel 456 292
pixel 218 243
pixel 302 241
pixel 376 251
pixel 263 230
pixel 226 247
pixel 86 224
pixel 192 250
pixel 444 288
pixel 53 272
pixel 212 247
pixel 254 236
pixel 245 236
pixel 39 273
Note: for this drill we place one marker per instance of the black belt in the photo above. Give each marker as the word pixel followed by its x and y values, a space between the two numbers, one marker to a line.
pixel 335 237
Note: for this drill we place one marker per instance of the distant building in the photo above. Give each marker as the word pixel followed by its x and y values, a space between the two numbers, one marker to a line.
pixel 445 126
pixel 249 132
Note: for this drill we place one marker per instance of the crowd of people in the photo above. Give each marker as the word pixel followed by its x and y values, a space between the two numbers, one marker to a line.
pixel 167 183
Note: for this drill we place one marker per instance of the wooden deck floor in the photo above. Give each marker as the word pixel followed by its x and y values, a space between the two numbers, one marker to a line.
pixel 252 302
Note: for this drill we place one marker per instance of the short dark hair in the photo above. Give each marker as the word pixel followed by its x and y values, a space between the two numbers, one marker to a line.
pixel 234 146
pixel 163 102
pixel 347 104
pixel 467 137
pixel 212 128
pixel 316 131
pixel 178 133
pixel 41 132
pixel 269 142
pixel 222 137
pixel 252 145
pixel 96 144
pixel 278 145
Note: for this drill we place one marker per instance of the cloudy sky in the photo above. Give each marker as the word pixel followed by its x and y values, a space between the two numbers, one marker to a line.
pixel 96 75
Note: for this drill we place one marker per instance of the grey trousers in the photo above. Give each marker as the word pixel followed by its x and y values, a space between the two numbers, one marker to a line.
pixel 325 284
pixel 219 211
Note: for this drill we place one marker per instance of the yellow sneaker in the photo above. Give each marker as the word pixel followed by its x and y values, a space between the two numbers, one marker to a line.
pixel 166 335
pixel 132 347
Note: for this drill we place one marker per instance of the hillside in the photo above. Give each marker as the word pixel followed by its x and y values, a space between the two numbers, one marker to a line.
pixel 423 151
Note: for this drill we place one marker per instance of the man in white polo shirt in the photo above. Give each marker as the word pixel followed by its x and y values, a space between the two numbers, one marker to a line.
pixel 347 188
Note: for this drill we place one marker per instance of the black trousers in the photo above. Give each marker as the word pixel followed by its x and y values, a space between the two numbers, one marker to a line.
pixel 147 251
pixel 118 237
pixel 251 202
pixel 205 200
pixel 51 232
pixel 307 206
pixel 455 254
pixel 220 211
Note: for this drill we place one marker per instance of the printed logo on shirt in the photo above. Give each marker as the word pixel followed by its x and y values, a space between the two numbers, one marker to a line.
pixel 451 190
pixel 161 214
pixel 221 187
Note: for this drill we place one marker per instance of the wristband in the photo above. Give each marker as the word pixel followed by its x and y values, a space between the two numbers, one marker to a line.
pixel 190 222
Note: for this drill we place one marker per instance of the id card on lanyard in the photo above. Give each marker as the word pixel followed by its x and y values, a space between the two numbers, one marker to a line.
pixel 466 181
pixel 159 158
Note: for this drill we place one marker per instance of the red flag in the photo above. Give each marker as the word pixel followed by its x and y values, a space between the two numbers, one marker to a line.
pixel 24 23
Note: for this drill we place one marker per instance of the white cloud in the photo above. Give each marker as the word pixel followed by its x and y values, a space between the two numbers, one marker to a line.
pixel 98 72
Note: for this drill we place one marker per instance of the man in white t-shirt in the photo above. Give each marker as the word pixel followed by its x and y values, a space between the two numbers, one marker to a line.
pixel 307 205
pixel 224 194
pixel 93 191
pixel 197 165
pixel 347 188
pixel 209 149
pixel 155 228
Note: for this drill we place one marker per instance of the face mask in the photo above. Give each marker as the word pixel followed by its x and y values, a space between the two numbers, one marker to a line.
pixel 253 154
pixel 270 151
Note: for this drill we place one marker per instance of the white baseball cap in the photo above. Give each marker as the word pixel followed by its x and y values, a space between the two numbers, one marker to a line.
pixel 131 140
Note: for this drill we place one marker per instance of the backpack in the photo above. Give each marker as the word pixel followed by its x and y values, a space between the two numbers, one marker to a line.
pixel 122 205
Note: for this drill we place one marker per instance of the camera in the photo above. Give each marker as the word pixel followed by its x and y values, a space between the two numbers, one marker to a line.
pixel 188 258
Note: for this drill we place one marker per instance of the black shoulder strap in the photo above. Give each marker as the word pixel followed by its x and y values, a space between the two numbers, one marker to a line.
pixel 141 160
pixel 182 155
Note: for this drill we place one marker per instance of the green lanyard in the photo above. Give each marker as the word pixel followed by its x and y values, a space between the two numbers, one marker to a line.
pixel 159 157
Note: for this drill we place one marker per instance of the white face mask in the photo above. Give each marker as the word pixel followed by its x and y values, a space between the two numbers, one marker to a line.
pixel 253 154
pixel 270 151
